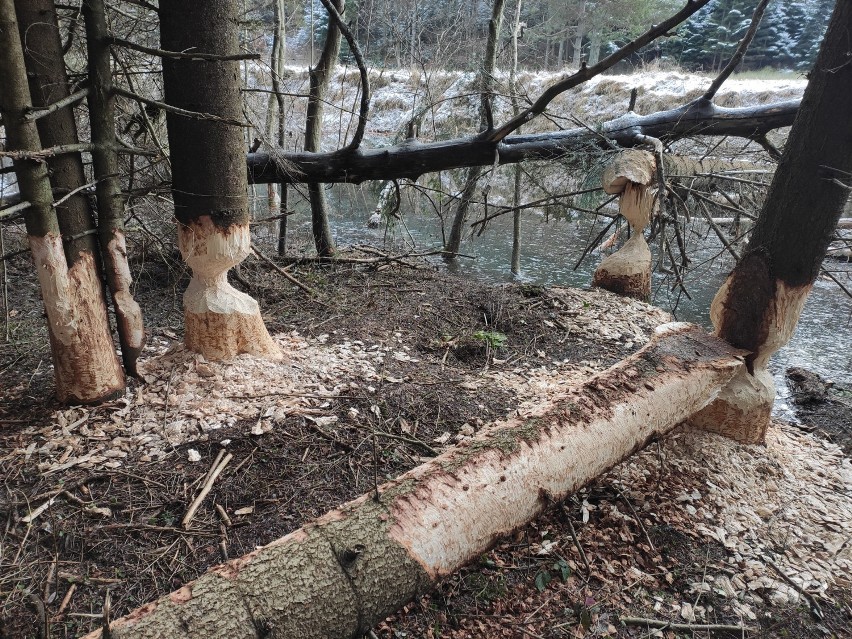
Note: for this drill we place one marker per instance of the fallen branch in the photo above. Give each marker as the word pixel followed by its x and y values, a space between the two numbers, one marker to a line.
pixel 816 609
pixel 205 490
pixel 281 271
pixel 410 160
pixel 686 627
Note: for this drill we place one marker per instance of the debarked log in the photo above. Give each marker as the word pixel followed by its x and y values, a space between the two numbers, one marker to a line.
pixel 341 574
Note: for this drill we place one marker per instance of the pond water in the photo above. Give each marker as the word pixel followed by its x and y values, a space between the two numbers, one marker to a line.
pixel 551 249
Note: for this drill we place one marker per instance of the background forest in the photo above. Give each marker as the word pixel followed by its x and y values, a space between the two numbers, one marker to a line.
pixel 560 32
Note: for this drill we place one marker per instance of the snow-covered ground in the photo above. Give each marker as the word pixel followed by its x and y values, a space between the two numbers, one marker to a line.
pixel 447 102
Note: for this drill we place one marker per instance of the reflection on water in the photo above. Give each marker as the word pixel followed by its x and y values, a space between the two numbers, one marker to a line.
pixel 552 248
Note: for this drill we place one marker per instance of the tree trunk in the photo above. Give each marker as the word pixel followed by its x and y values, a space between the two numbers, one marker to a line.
pixel 516 109
pixel 409 161
pixel 348 570
pixel 628 271
pixel 594 47
pixel 758 306
pixel 275 118
pixel 320 75
pixel 128 315
pixel 86 368
pixel 486 88
pixel 578 36
pixel 208 183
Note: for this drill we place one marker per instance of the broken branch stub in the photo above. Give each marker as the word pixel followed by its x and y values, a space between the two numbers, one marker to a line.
pixel 628 270
pixel 341 574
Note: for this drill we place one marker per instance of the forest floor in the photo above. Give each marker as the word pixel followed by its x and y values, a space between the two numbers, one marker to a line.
pixel 389 365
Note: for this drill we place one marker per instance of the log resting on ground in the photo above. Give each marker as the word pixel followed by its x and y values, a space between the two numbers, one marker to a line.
pixel 412 159
pixel 341 574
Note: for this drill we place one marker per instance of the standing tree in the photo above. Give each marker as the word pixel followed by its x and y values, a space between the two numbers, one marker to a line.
pixel 86 368
pixel 101 101
pixel 486 88
pixel 208 175
pixel 758 306
pixel 320 75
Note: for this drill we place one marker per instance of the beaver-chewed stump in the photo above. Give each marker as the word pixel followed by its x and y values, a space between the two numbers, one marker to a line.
pixel 628 270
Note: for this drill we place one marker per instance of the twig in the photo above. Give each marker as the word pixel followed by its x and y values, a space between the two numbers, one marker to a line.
pixel 686 627
pixel 577 541
pixel 74 192
pixel 638 519
pixel 214 465
pixel 5 285
pixel 205 490
pixel 334 440
pixel 105 632
pixel 409 440
pixel 223 514
pixel 718 231
pixel 179 55
pixel 195 115
pixel 153 528
pixel 740 52
pixel 65 601
pixel 816 610
pixel 43 154
pixel 280 270
pixel 38 604
pixel 59 104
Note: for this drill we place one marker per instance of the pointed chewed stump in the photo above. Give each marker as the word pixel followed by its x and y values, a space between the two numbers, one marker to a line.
pixel 221 322
pixel 628 270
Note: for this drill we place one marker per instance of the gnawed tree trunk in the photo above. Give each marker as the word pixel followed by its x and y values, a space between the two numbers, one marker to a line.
pixel 208 180
pixel 320 76
pixel 758 306
pixel 86 368
pixel 128 315
pixel 628 271
pixel 343 573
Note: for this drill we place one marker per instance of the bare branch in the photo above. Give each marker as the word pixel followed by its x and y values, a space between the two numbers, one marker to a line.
pixel 364 111
pixel 586 73
pixel 196 115
pixel 179 55
pixel 740 52
pixel 43 154
pixel 59 104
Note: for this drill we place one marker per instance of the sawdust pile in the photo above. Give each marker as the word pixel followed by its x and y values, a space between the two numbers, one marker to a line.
pixel 788 503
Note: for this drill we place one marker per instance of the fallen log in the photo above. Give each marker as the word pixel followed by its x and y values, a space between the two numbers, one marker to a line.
pixel 341 574
pixel 412 159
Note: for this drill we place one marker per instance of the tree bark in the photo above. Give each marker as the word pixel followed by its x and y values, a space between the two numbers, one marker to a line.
pixel 128 315
pixel 486 90
pixel 758 306
pixel 578 35
pixel 341 574
pixel 628 271
pixel 515 260
pixel 412 159
pixel 86 369
pixel 319 79
pixel 208 185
